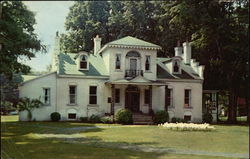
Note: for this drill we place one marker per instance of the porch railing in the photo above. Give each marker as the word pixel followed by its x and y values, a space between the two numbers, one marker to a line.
pixel 133 73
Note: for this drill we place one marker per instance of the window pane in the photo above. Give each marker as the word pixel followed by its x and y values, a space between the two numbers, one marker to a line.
pixel 176 67
pixel 46 95
pixel 187 117
pixel 117 95
pixel 72 89
pixel 118 62
pixel 147 64
pixel 83 65
pixel 146 96
pixel 92 90
pixel 71 116
pixel 92 100
pixel 72 99
pixel 83 58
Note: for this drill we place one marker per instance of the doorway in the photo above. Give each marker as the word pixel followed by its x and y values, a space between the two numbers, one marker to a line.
pixel 132 99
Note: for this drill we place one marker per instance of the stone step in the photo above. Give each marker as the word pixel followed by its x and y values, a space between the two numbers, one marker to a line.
pixel 142 123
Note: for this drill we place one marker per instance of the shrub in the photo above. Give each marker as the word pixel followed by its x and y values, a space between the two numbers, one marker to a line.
pixel 161 117
pixel 84 119
pixel 174 120
pixel 107 119
pixel 207 118
pixel 55 116
pixel 124 116
pixel 95 119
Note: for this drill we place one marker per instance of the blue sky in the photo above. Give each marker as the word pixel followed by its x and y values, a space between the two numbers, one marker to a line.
pixel 50 17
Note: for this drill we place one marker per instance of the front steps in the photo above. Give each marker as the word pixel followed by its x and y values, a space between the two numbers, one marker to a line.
pixel 142 119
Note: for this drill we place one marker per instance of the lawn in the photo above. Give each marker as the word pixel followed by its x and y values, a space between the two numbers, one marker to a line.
pixel 40 140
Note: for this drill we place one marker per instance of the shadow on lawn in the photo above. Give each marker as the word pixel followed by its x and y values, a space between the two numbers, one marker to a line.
pixel 20 140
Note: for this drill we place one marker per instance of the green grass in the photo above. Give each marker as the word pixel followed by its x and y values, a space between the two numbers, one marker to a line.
pixel 21 140
pixel 239 118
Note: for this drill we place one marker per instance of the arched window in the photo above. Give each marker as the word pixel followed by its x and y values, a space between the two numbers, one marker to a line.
pixel 83 62
pixel 176 67
pixel 133 54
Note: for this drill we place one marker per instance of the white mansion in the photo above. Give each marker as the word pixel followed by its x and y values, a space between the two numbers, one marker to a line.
pixel 125 73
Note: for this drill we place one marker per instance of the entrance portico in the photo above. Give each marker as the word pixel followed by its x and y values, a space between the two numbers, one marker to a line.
pixel 134 92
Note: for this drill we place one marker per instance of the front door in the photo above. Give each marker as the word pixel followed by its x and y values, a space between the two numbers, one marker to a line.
pixel 133 64
pixel 132 99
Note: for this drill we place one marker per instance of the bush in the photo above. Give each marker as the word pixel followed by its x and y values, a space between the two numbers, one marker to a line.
pixel 177 120
pixel 161 117
pixel 95 119
pixel 207 118
pixel 84 119
pixel 174 120
pixel 55 116
pixel 124 116
pixel 107 120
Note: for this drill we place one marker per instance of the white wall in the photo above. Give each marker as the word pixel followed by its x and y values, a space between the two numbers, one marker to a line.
pixel 178 100
pixel 119 74
pixel 82 107
pixel 34 89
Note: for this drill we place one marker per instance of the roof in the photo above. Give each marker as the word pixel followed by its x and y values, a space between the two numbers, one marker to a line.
pixel 164 73
pixel 139 80
pixel 130 42
pixel 68 65
pixel 28 78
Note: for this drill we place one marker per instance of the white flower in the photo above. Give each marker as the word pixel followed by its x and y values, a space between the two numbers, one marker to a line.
pixel 187 126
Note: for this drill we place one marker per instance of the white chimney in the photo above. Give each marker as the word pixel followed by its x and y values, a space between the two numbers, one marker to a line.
pixel 201 71
pixel 186 53
pixel 56 52
pixel 97 44
pixel 178 51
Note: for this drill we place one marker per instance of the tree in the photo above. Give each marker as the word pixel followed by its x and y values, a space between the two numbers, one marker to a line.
pixel 28 105
pixel 217 31
pixel 17 37
pixel 84 21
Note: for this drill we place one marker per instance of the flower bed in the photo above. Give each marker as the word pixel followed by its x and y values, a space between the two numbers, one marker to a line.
pixel 187 126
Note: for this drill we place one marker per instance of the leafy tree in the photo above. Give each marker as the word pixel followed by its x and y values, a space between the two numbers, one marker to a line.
pixel 216 30
pixel 85 20
pixel 17 37
pixel 29 105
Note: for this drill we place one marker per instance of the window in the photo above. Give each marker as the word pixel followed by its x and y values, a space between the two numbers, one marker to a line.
pixel 72 94
pixel 46 96
pixel 133 54
pixel 147 64
pixel 117 95
pixel 176 67
pixel 118 61
pixel 169 97
pixel 146 96
pixel 71 116
pixel 92 95
pixel 187 117
pixel 187 98
pixel 83 62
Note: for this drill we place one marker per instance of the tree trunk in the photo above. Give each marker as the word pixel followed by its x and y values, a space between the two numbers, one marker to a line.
pixel 232 109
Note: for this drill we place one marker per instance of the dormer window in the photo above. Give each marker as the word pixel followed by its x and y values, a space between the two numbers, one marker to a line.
pixel 83 62
pixel 176 66
pixel 118 62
